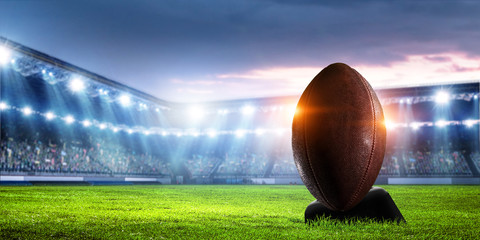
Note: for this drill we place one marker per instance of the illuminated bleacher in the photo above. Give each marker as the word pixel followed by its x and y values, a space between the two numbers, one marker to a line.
pixel 44 99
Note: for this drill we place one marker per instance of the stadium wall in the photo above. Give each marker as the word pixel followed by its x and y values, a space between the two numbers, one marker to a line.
pixel 32 180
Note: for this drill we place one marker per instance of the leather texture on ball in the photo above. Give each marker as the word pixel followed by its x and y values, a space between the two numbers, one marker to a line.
pixel 339 137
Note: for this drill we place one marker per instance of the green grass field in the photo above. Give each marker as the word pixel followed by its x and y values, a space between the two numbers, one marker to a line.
pixel 223 212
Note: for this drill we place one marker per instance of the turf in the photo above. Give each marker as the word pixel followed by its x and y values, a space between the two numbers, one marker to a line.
pixel 223 212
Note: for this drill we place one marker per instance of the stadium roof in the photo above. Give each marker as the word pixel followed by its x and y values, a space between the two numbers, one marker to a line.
pixel 17 47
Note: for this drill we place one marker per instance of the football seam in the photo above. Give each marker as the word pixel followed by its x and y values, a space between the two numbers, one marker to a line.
pixel 355 195
pixel 306 151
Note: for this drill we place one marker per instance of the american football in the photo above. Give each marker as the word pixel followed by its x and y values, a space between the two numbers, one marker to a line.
pixel 339 137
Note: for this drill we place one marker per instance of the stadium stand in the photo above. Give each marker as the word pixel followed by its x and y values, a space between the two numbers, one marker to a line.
pixel 284 167
pixel 391 164
pixel 437 163
pixel 72 158
pixel 54 124
pixel 201 165
pixel 245 164
pixel 476 159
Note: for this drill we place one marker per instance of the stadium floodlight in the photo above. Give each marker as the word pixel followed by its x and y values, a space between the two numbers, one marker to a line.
pixel 259 131
pixel 69 119
pixel 125 100
pixel 102 126
pixel 280 131
pixel 390 125
pixel 142 106
pixel 248 110
pixel 195 134
pixel 50 74
pixel 115 129
pixel 292 110
pixel 179 134
pixel 146 132
pixel 164 133
pixel 27 111
pixel 441 123
pixel 76 85
pixel 86 123
pixel 103 91
pixel 44 71
pixel 196 112
pixel 49 116
pixel 157 110
pixel 240 133
pixel 129 131
pixel 415 125
pixel 3 106
pixel 223 111
pixel 212 133
pixel 469 123
pixel 4 55
pixel 475 96
pixel 442 97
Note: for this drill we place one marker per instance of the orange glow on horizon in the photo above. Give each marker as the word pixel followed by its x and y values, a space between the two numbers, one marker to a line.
pixel 414 70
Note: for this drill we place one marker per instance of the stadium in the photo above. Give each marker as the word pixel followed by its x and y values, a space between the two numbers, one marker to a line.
pixel 73 125
pixel 83 156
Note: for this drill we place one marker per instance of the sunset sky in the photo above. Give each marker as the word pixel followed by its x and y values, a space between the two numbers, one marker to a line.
pixel 190 51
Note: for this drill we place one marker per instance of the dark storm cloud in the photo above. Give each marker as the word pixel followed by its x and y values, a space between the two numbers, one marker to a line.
pixel 142 43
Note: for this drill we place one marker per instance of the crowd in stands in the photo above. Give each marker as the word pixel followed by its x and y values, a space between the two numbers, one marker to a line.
pixel 285 166
pixel 244 164
pixel 425 163
pixel 101 157
pixel 436 163
pixel 395 163
pixel 390 166
pixel 201 165
pixel 74 158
